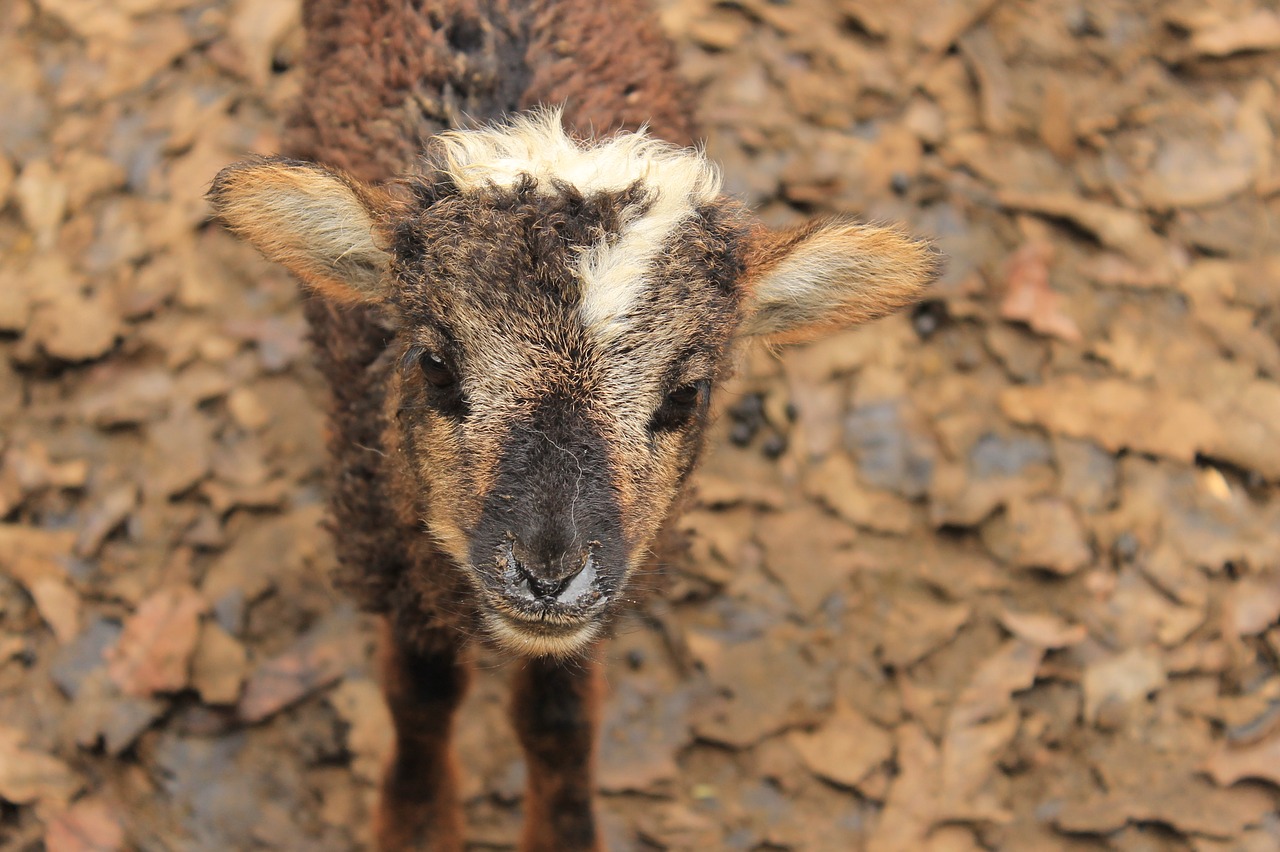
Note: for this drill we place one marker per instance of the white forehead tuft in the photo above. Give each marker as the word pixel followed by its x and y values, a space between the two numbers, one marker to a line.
pixel 613 271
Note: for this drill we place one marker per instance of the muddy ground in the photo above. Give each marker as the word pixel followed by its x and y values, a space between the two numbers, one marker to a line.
pixel 999 573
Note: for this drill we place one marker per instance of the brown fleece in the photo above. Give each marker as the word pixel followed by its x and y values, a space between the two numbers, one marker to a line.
pixel 382 77
pixel 405 272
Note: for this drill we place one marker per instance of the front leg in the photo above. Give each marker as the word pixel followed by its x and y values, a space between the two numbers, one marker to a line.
pixel 418 806
pixel 556 709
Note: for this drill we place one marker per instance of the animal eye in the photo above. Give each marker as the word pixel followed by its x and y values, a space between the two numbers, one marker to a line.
pixel 679 406
pixel 685 396
pixel 435 369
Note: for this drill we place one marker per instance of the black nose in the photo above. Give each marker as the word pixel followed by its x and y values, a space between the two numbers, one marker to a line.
pixel 563 580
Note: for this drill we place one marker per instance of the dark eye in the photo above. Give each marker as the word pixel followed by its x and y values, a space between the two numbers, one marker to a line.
pixel 685 396
pixel 680 405
pixel 436 371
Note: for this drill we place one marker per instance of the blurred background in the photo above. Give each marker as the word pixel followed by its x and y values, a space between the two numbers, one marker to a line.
pixel 1001 572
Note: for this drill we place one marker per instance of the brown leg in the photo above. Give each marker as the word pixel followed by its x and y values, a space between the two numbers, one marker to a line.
pixel 418 807
pixel 556 709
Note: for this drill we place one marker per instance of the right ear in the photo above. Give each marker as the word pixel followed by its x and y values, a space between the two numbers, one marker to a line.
pixel 316 222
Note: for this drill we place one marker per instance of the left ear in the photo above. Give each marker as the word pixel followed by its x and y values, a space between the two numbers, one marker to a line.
pixel 830 274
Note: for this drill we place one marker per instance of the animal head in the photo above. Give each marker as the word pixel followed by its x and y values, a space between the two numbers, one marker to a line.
pixel 563 310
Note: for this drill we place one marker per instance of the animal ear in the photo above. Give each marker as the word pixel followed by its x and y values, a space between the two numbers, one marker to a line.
pixel 318 223
pixel 830 274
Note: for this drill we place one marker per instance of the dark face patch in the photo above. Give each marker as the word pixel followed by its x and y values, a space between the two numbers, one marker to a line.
pixel 542 442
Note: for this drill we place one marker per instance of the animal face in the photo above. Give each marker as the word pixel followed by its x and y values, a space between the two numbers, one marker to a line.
pixel 563 311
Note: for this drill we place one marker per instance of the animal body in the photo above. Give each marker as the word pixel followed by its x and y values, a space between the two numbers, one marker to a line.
pixel 523 286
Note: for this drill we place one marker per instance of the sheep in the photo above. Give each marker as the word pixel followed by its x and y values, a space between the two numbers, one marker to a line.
pixel 523 285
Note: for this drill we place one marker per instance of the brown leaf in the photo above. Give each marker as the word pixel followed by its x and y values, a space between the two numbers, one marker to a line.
pixel 1040 533
pixel 258 28
pixel 154 651
pixel 369 727
pixel 6 179
pixel 1121 679
pixel 27 775
pixel 917 625
pixel 88 826
pixel 912 804
pixel 177 454
pixel 834 481
pixel 1260 760
pixel 76 327
pixel 34 557
pixel 1253 604
pixel 1028 296
pixel 113 509
pixel 1010 669
pixel 1116 415
pixel 42 200
pixel 1259 30
pixel 845 749
pixel 811 566
pixel 1194 172
pixel 219 665
pixel 766 685
pixel 1042 628
pixel 313 662
pixel 1123 230
pixel 980 725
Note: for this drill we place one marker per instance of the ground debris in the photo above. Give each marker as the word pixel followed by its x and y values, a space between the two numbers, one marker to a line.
pixel 87 826
pixel 30 775
pixel 316 660
pixel 996 572
pixel 154 652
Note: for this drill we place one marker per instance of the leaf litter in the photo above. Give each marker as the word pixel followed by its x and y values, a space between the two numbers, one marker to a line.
pixel 1002 572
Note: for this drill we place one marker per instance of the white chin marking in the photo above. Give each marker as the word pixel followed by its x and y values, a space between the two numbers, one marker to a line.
pixel 613 271
pixel 530 644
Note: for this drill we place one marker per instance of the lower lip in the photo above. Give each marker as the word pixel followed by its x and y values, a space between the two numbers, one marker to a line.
pixel 543 627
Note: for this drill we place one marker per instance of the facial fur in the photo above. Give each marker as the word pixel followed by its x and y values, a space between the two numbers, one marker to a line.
pixel 567 431
pixel 562 311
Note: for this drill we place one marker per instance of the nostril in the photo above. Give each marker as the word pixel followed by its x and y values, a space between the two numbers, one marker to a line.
pixel 566 588
pixel 541 587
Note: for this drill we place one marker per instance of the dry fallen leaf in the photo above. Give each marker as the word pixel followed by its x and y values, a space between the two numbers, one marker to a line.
pixel 812 566
pixel 35 558
pixel 644 727
pixel 1121 679
pixel 1028 296
pixel 87 826
pixel 1259 760
pixel 369 731
pixel 1123 230
pixel 1039 533
pixel 1116 414
pixel 1254 604
pixel 912 804
pixel 218 666
pixel 1042 628
pixel 765 685
pixel 42 198
pixel 845 749
pixel 154 651
pixel 917 625
pixel 1259 30
pixel 314 661
pixel 28 775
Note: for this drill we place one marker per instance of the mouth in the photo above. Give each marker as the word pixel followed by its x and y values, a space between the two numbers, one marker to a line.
pixel 545 628
pixel 542 637
pixel 526 613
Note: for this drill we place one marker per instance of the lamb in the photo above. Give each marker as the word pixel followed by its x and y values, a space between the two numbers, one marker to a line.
pixel 521 328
